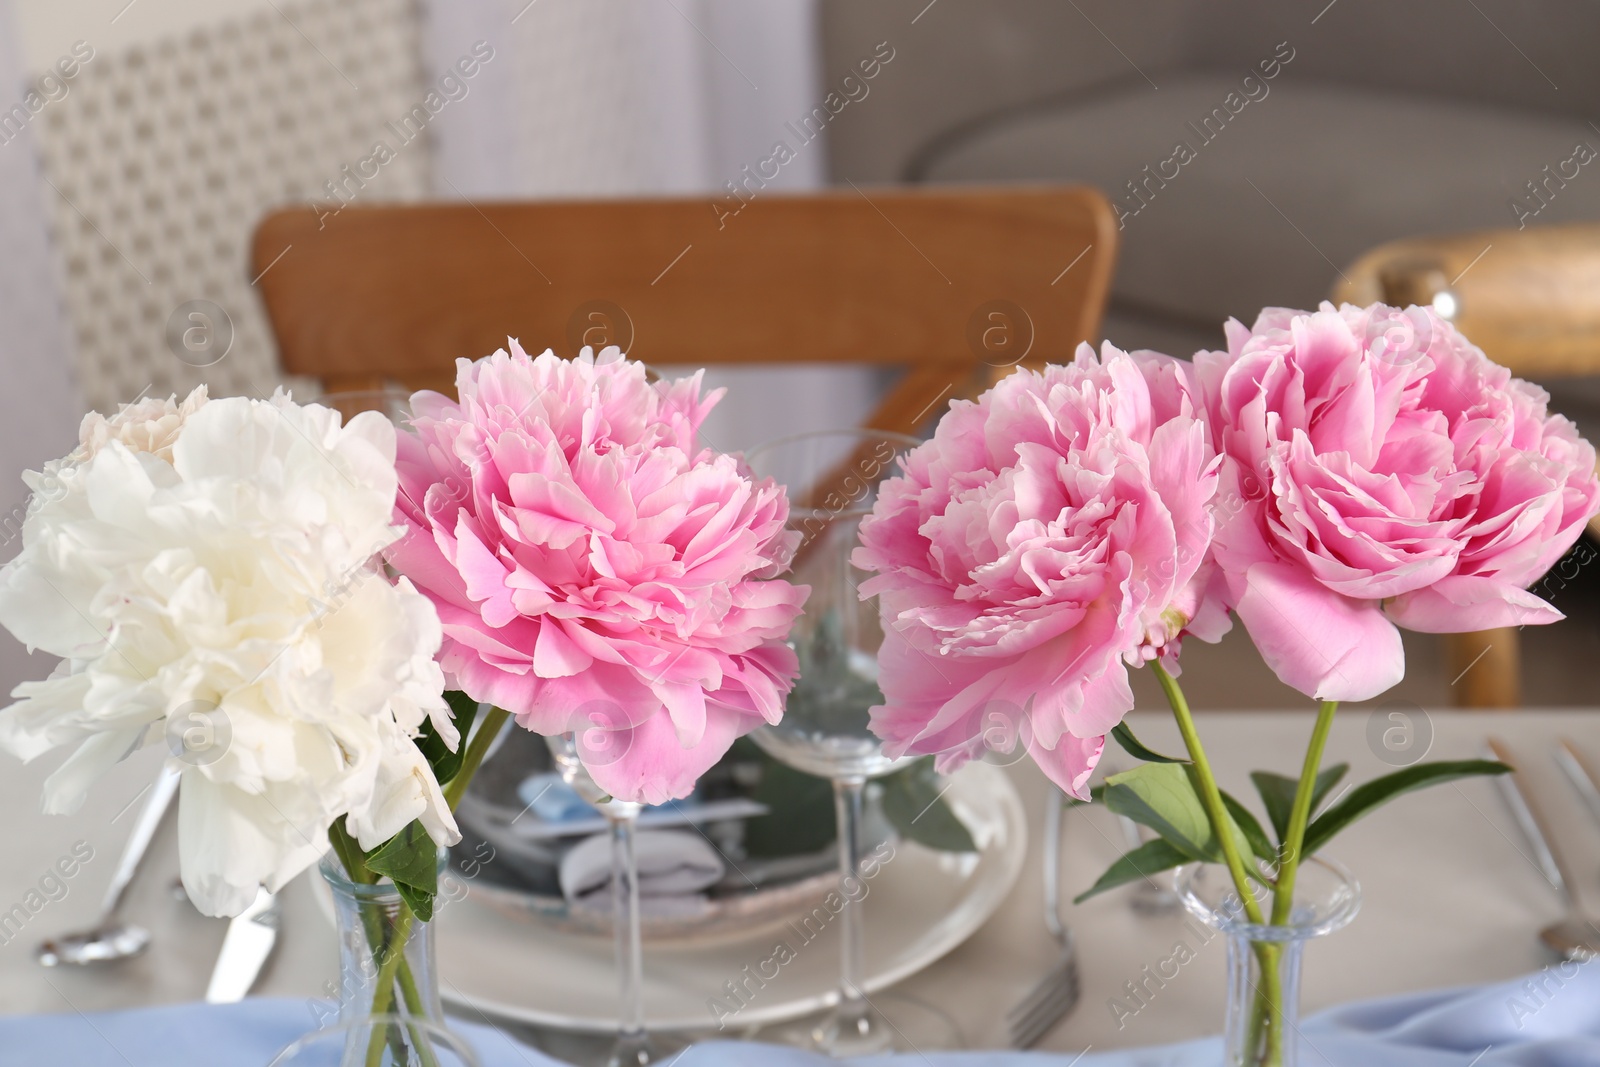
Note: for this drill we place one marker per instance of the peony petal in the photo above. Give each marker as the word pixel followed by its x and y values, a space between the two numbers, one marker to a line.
pixel 1325 645
pixel 647 764
pixel 1467 603
pixel 1106 698
pixel 231 843
pixel 1070 763
pixel 484 576
pixel 686 707
pixel 67 789
pixel 555 655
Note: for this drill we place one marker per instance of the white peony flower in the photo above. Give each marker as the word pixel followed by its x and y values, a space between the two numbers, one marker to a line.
pixel 147 425
pixel 207 573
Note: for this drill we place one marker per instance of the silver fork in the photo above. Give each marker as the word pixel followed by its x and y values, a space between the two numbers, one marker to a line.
pixel 1056 993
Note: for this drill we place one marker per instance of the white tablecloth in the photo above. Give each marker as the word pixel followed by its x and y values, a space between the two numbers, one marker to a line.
pixel 1451 895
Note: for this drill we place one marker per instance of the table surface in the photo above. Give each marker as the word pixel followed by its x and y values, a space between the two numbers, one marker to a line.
pixel 1451 893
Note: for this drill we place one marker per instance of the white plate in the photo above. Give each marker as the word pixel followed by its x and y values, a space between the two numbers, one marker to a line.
pixel 919 905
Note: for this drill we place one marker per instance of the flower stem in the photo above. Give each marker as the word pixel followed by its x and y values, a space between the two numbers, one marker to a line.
pixel 1266 1012
pixel 1300 814
pixel 351 858
pixel 1210 795
pixel 478 747
pixel 394 953
pixel 389 952
pixel 394 970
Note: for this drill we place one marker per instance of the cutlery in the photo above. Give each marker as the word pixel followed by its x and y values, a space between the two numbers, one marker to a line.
pixel 1575 935
pixel 109 939
pixel 1056 993
pixel 1583 774
pixel 251 935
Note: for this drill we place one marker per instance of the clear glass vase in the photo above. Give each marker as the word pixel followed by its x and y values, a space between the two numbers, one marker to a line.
pixel 1262 1027
pixel 387 978
pixel 399 1040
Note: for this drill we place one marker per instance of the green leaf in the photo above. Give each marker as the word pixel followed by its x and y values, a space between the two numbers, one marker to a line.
pixel 799 815
pixel 444 762
pixel 1277 793
pixel 1160 796
pixel 1166 798
pixel 1260 844
pixel 1149 858
pixel 1369 795
pixel 1123 734
pixel 420 901
pixel 411 860
pixel 913 801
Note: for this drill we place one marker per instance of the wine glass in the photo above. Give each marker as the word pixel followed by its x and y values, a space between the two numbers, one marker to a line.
pixel 634 1047
pixel 833 477
pixel 392 399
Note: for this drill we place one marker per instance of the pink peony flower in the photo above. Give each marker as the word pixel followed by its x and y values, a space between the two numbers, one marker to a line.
pixel 593 570
pixel 1049 535
pixel 1380 470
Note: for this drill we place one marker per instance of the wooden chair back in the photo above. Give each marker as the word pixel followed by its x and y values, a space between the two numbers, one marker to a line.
pixel 954 285
pixel 1531 300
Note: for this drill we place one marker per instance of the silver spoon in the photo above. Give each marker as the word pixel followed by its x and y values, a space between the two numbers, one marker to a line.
pixel 109 939
pixel 1575 936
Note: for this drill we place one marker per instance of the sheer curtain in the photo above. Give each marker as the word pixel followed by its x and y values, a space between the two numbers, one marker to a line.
pixel 589 98
pixel 39 406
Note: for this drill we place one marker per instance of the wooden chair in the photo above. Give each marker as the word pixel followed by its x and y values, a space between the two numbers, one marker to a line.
pixel 1531 300
pixel 955 286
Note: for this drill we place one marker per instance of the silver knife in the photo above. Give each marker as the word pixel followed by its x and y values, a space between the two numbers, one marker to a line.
pixel 1583 775
pixel 251 935
pixel 1531 820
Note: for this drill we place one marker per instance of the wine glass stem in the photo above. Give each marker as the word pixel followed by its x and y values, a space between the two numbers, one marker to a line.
pixel 630 953
pixel 847 793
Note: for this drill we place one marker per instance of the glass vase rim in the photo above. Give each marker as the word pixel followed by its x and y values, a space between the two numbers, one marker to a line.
pixel 1346 903
pixel 339 880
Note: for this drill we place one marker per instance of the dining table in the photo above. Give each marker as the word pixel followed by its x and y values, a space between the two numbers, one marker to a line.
pixel 1452 896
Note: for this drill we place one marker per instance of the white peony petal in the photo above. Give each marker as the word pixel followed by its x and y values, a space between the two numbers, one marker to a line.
pixel 210 567
pixel 49 714
pixel 405 789
pixel 230 843
pixel 66 789
pixel 44 609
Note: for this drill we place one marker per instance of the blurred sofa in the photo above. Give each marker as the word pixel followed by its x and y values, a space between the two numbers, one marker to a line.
pixel 1253 148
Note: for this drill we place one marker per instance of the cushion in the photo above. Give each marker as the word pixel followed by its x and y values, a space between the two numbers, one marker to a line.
pixel 1276 198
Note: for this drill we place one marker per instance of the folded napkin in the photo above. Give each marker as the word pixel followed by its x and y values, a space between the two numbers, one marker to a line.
pixel 550 798
pixel 1547 1019
pixel 675 868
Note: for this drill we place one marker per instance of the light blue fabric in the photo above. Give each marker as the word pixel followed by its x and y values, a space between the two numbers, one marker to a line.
pixel 1548 1019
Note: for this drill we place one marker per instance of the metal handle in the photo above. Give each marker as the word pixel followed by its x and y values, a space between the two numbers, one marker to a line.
pixel 1581 773
pixel 1535 827
pixel 155 806
pixel 1052 863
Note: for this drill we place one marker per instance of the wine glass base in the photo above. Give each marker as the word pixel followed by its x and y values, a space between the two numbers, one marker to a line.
pixel 643 1050
pixel 893 1022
